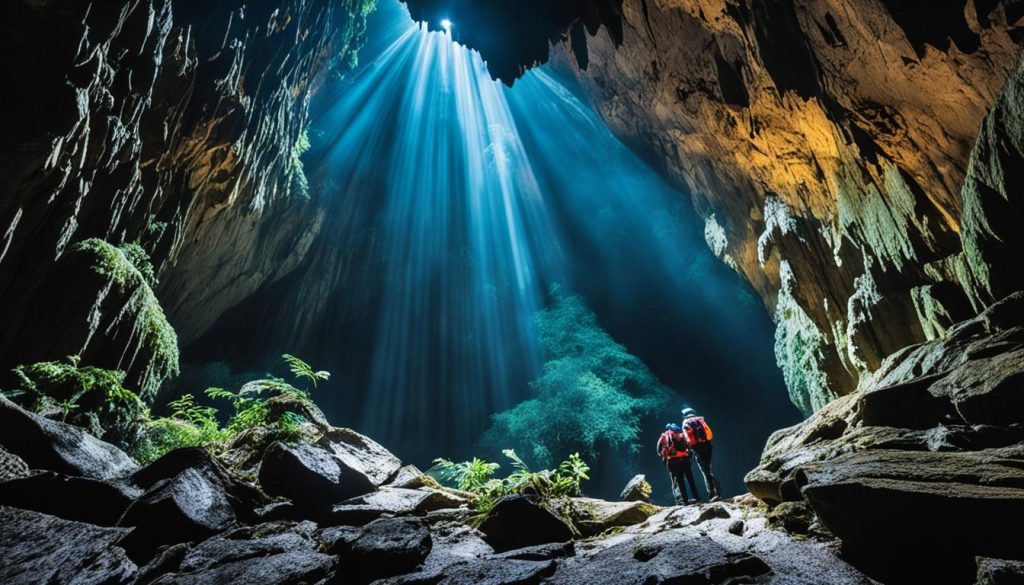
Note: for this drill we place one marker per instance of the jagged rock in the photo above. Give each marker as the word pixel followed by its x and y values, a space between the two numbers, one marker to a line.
pixel 916 497
pixel 518 521
pixel 11 466
pixel 637 490
pixel 55 446
pixel 362 455
pixel 242 495
pixel 987 390
pixel 73 498
pixel 592 516
pixel 38 548
pixel 281 403
pixel 670 556
pixel 342 465
pixel 281 553
pixel 310 476
pixel 736 527
pixel 793 517
pixel 190 506
pixel 541 552
pixel 1000 572
pixel 409 477
pixel 393 501
pixel 167 561
pixel 384 548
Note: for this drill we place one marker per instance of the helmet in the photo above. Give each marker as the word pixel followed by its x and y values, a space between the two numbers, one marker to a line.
pixel 689 412
pixel 673 427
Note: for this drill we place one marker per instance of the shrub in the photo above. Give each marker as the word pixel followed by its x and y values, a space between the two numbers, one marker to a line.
pixel 477 477
pixel 592 392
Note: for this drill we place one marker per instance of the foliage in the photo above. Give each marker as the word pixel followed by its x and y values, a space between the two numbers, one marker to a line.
pixel 90 397
pixel 296 170
pixel 592 392
pixel 129 269
pixel 477 477
pixel 302 370
pixel 193 425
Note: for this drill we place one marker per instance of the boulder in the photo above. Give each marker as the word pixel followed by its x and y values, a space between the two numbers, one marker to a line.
pixel 55 446
pixel 383 548
pixel 39 548
pixel 541 552
pixel 637 490
pixel 341 465
pixel 11 466
pixel 895 508
pixel 393 501
pixel 592 517
pixel 281 553
pixel 361 455
pixel 409 477
pixel 73 498
pixel 1000 572
pixel 793 517
pixel 519 521
pixel 312 477
pixel 243 496
pixel 670 556
pixel 989 390
pixel 189 507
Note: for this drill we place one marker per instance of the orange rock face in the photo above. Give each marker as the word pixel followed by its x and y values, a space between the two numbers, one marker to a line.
pixel 826 144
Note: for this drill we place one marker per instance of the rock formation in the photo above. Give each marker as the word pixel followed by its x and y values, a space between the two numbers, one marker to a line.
pixel 826 145
pixel 164 123
pixel 191 518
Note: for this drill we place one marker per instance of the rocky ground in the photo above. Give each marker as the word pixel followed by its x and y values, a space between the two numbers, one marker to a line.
pixel 341 509
pixel 918 476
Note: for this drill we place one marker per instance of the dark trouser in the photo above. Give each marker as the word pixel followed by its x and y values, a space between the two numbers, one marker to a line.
pixel 703 455
pixel 679 469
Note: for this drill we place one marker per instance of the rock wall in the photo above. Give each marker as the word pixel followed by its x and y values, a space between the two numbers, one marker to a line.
pixel 172 124
pixel 826 145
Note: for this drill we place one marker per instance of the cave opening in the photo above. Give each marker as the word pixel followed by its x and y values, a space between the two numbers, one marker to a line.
pixel 457 211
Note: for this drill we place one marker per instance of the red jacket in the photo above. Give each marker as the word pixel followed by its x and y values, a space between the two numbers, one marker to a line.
pixel 672 445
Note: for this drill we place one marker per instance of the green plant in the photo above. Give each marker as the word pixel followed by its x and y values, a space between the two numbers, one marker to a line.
pixel 301 369
pixel 592 393
pixel 290 426
pixel 477 477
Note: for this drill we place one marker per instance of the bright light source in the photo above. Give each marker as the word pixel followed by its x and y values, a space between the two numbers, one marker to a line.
pixel 446 24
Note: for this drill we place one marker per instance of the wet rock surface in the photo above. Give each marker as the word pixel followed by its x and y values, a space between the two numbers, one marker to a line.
pixel 190 518
pixel 932 440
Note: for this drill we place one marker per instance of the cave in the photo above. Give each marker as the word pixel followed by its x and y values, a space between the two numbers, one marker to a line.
pixel 450 291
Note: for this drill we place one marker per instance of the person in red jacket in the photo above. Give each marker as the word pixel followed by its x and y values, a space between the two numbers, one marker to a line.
pixel 674 452
pixel 698 436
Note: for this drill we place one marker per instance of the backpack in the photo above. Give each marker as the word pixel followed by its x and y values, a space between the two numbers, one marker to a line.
pixel 672 445
pixel 697 430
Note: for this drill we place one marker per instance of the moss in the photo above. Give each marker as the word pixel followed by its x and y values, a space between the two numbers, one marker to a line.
pixel 129 270
pixel 800 350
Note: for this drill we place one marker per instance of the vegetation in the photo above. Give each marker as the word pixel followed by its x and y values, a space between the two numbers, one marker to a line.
pixel 193 425
pixel 90 397
pixel 128 269
pixel 592 393
pixel 477 477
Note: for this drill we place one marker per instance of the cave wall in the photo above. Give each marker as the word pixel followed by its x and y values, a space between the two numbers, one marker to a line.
pixel 172 124
pixel 826 144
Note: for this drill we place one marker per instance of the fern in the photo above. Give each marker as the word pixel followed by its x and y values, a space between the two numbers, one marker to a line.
pixel 301 369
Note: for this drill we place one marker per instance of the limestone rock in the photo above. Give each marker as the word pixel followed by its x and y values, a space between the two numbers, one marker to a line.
pixel 342 465
pixel 593 517
pixel 38 548
pixel 393 501
pixel 636 490
pixel 55 446
pixel 82 499
pixel 270 554
pixel 385 547
pixel 518 521
pixel 11 466
pixel 1000 572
